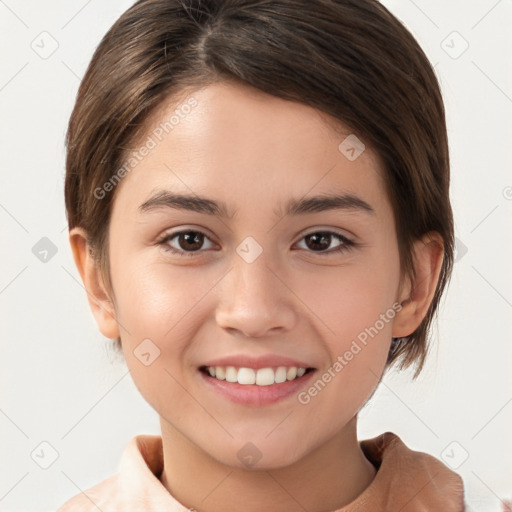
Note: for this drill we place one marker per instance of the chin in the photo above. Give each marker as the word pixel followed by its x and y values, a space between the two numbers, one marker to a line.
pixel 261 455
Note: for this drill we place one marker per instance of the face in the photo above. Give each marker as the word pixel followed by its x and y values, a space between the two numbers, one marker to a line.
pixel 257 270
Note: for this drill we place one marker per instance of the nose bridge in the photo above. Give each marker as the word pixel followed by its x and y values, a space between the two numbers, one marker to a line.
pixel 253 299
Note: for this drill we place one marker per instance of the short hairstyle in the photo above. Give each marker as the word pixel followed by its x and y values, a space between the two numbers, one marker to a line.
pixel 351 59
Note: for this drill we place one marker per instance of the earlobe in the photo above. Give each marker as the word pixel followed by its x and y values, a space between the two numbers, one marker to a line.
pixel 99 301
pixel 417 296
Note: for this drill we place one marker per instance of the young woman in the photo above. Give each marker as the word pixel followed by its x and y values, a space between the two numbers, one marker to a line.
pixel 258 202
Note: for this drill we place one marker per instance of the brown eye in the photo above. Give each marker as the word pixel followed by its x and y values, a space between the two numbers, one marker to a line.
pixel 320 241
pixel 191 240
pixel 184 242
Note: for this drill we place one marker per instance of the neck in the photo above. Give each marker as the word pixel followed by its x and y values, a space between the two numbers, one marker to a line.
pixel 328 478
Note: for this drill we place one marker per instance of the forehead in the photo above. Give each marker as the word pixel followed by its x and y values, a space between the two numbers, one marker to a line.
pixel 249 148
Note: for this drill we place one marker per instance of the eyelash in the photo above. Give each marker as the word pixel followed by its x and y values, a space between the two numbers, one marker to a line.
pixel 346 246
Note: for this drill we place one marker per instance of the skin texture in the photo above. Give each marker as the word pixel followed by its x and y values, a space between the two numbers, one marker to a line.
pixel 255 152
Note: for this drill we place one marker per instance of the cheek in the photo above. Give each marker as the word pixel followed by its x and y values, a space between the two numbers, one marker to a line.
pixel 160 309
pixel 154 300
pixel 155 307
pixel 357 353
pixel 348 300
pixel 354 306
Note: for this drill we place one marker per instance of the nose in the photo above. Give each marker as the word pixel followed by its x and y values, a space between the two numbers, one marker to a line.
pixel 255 300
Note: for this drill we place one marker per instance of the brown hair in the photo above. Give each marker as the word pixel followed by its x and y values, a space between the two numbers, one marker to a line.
pixel 349 58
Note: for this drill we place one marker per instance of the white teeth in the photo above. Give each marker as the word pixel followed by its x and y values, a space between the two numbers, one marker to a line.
pixel 260 377
pixel 281 374
pixel 231 374
pixel 265 377
pixel 246 376
pixel 291 373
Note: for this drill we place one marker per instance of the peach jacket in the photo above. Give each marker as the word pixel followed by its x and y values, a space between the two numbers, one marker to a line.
pixel 406 481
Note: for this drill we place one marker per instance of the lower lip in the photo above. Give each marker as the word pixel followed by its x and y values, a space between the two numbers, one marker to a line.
pixel 251 394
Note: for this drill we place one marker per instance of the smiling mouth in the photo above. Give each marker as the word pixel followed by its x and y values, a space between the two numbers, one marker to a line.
pixel 252 376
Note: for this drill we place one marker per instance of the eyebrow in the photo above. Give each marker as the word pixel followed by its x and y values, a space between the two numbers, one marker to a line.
pixel 198 204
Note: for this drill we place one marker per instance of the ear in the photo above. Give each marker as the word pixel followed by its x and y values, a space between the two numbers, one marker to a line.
pixel 415 297
pixel 100 303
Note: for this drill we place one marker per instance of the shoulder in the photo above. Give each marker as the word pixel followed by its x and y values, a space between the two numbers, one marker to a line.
pixel 134 488
pixel 413 477
pixel 93 498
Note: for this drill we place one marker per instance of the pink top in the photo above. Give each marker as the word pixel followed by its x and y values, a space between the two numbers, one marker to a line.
pixel 406 480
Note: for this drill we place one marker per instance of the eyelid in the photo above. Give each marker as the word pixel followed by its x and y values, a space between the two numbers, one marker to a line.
pixel 324 229
pixel 171 232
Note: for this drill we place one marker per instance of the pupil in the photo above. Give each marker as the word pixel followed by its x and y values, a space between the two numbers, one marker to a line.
pixel 192 237
pixel 316 237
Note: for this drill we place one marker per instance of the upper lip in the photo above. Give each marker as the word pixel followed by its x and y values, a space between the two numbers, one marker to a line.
pixel 265 361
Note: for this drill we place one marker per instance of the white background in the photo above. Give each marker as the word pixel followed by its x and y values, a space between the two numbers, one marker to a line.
pixel 60 382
